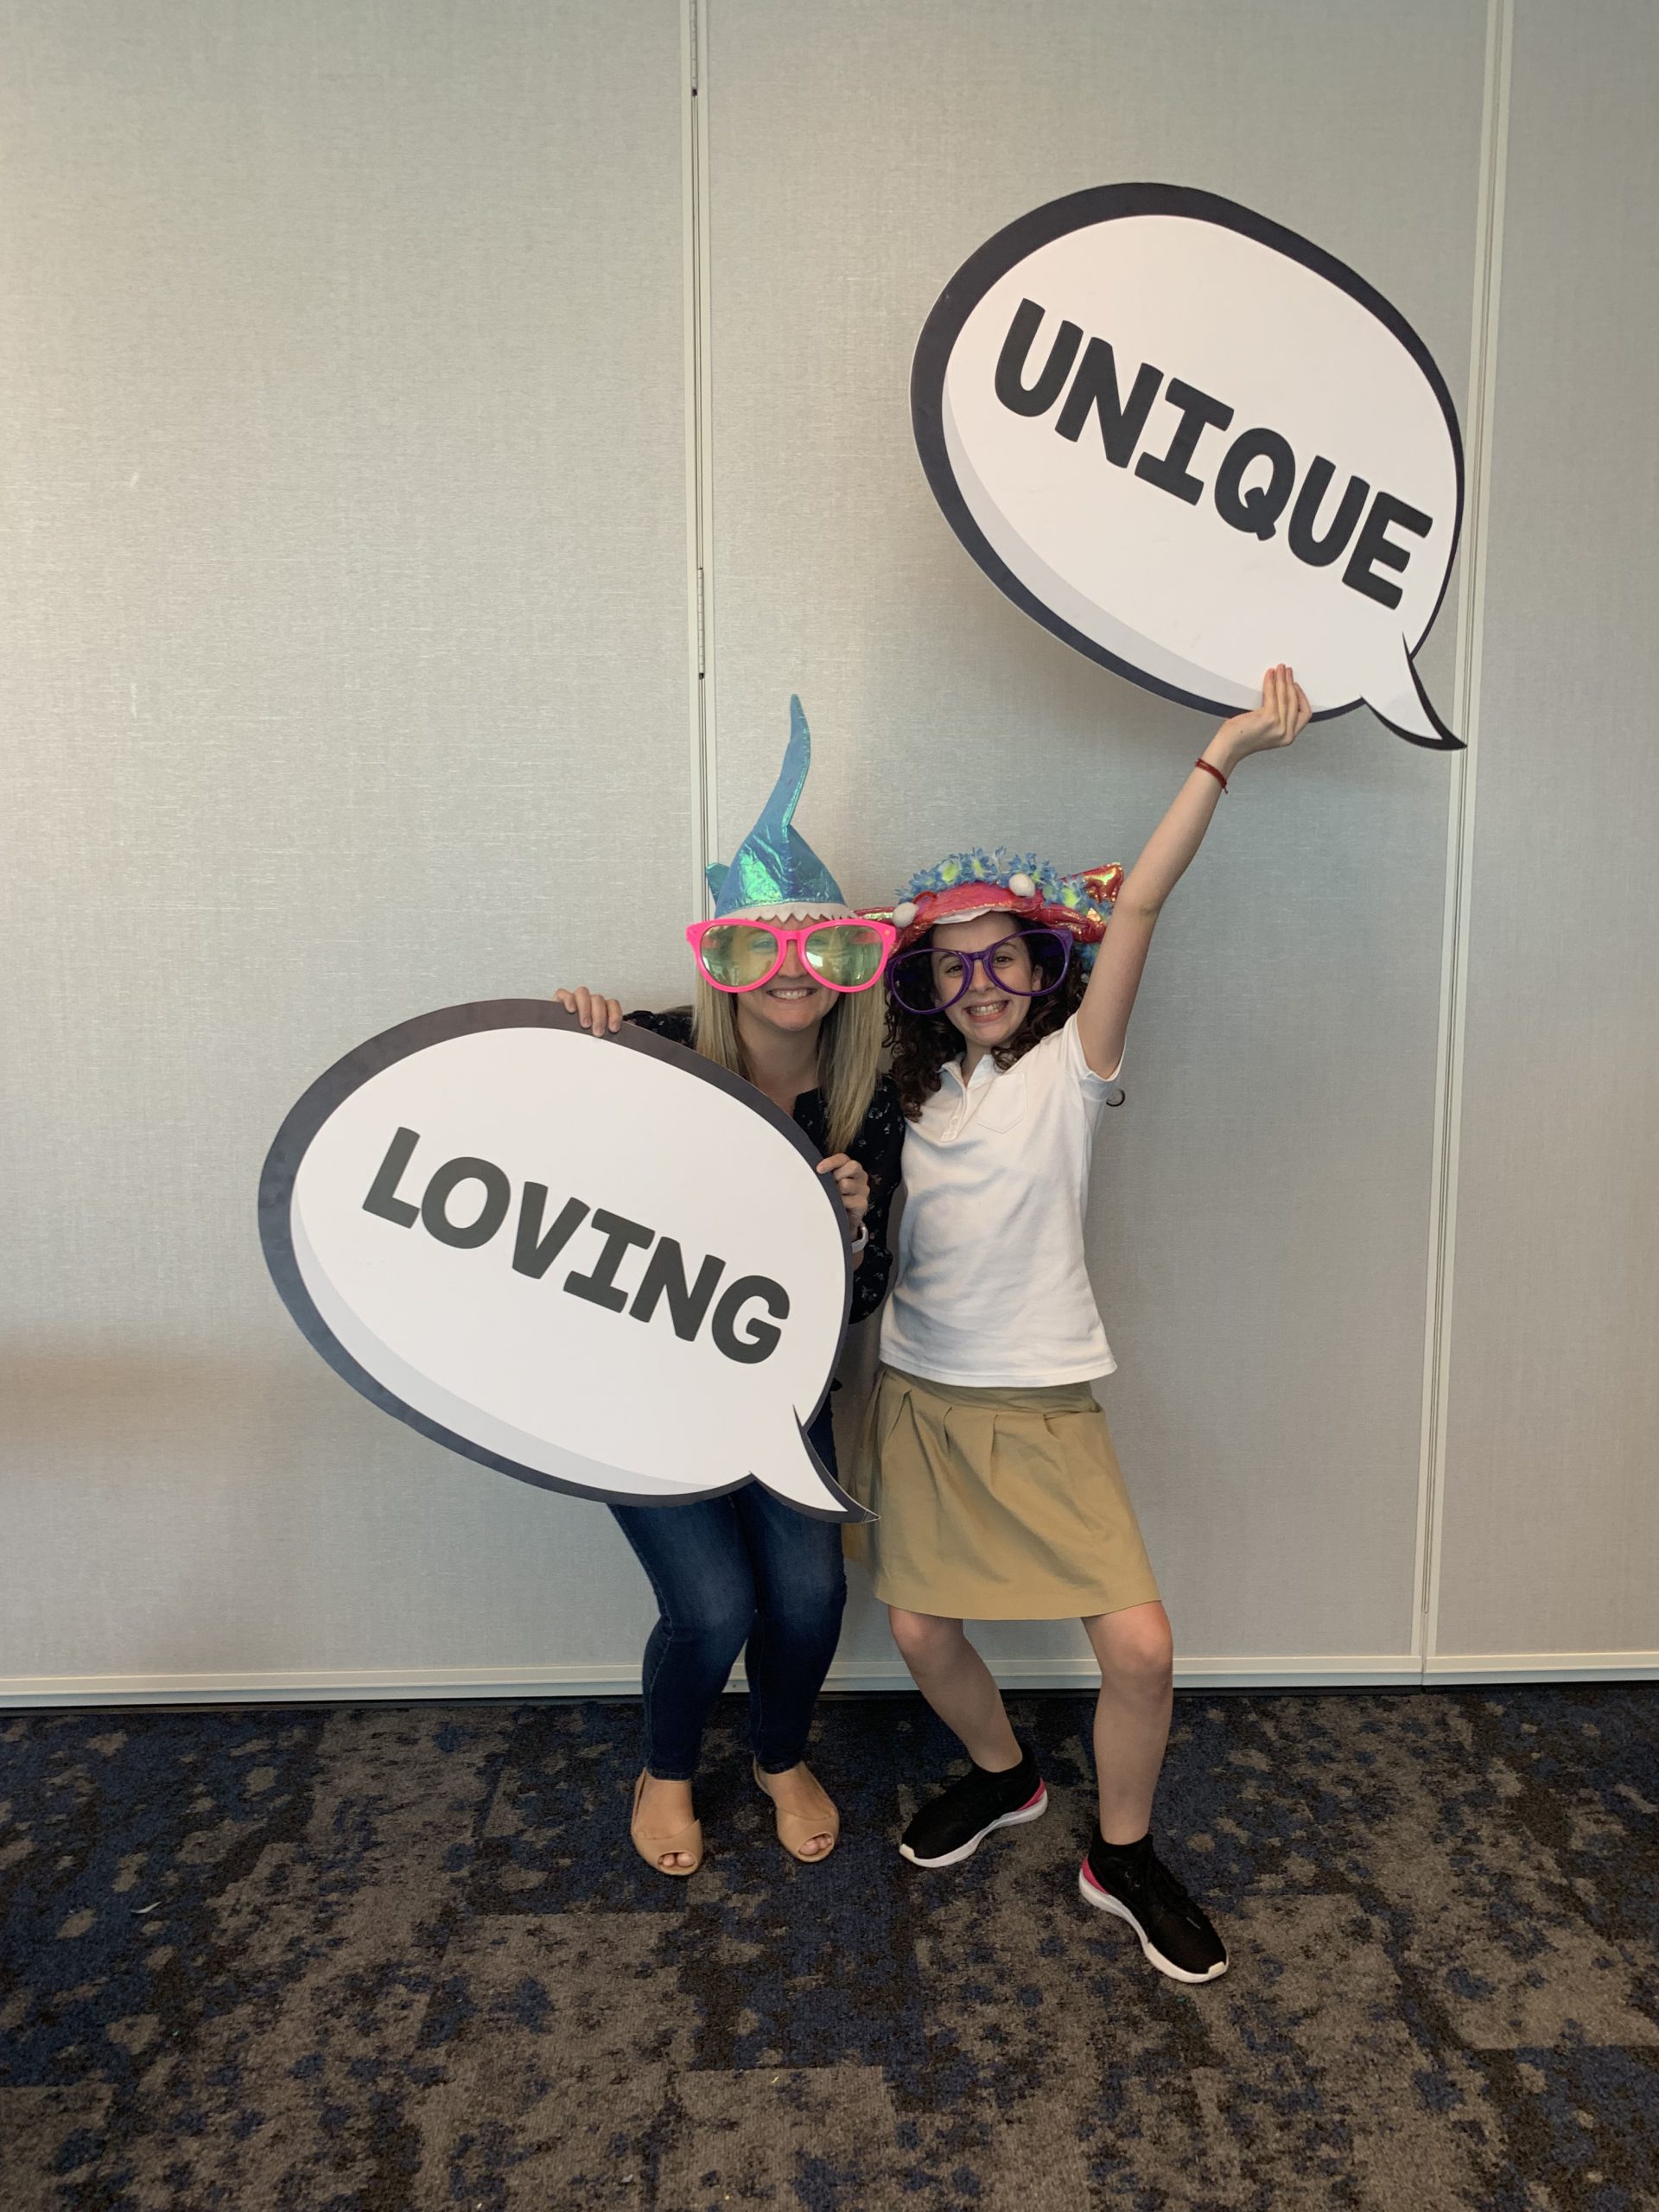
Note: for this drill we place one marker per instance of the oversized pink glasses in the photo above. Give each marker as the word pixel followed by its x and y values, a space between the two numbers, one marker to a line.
pixel 846 955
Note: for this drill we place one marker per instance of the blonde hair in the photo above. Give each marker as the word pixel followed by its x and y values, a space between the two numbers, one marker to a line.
pixel 849 1048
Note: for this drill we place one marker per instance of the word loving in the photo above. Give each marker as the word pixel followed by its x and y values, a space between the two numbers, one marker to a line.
pixel 1256 507
pixel 537 1243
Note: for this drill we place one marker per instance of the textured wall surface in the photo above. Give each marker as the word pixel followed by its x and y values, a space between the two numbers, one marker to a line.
pixel 344 398
pixel 1552 1510
pixel 1262 1206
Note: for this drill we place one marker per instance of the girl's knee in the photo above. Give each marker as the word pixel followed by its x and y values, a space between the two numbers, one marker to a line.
pixel 923 1635
pixel 1135 1648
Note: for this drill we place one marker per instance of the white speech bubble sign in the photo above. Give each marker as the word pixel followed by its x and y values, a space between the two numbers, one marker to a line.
pixel 1193 444
pixel 600 1265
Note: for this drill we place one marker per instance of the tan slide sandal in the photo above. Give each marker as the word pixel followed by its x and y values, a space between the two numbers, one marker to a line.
pixel 653 1848
pixel 795 1828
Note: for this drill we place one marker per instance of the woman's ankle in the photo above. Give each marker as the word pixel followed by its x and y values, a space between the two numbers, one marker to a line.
pixel 799 1778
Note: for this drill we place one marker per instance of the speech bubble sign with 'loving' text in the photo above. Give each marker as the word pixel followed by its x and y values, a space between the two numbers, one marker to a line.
pixel 598 1264
pixel 1193 444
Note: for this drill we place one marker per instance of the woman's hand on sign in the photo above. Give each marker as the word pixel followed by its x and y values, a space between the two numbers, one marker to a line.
pixel 1279 720
pixel 852 1187
pixel 602 1015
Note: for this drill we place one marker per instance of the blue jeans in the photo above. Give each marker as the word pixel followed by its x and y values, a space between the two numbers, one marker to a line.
pixel 745 1569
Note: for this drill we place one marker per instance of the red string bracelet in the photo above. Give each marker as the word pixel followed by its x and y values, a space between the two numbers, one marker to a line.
pixel 1211 769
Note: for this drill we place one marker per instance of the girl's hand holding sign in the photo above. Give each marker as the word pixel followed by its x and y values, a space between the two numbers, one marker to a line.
pixel 1279 720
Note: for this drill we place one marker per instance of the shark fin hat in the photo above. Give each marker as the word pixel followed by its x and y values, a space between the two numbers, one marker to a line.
pixel 964 885
pixel 775 875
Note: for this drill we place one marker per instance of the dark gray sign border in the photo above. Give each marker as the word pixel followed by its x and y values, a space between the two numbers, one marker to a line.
pixel 303 1120
pixel 1080 211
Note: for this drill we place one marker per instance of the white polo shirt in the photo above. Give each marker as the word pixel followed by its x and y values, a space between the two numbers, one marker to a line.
pixel 990 1287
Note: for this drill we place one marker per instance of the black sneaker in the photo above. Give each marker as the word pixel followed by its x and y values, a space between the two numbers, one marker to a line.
pixel 1135 1885
pixel 953 1826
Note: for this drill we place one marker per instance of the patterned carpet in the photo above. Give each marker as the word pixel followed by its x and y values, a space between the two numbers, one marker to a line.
pixel 344 1960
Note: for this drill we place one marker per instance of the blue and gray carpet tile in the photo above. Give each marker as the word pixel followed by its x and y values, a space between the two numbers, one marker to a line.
pixel 365 1958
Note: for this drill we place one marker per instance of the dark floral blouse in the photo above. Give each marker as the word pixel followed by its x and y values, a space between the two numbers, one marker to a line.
pixel 876 1148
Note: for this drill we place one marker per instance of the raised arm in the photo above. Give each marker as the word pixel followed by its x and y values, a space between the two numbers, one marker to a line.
pixel 1104 1017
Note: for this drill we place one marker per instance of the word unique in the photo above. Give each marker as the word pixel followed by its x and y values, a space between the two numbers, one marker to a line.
pixel 1255 508
pixel 537 1243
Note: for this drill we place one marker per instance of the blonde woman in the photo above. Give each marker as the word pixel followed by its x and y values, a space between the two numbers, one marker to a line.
pixel 785 998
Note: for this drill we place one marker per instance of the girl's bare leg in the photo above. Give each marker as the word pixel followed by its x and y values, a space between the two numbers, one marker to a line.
pixel 1137 1658
pixel 958 1685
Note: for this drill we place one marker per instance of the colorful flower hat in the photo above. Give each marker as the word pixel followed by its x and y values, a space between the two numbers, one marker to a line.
pixel 969 884
pixel 775 875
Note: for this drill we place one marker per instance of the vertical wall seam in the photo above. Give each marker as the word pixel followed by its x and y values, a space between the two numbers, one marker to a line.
pixel 700 656
pixel 1461 829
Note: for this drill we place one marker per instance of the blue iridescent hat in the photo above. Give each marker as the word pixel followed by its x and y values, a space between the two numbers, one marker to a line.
pixel 775 874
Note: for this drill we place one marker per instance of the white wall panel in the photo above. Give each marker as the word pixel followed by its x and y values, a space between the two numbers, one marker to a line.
pixel 1261 1228
pixel 343 559
pixel 343 551
pixel 1551 1516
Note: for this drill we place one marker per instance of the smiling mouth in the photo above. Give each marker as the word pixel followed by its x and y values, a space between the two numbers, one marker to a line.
pixel 987 1010
pixel 790 990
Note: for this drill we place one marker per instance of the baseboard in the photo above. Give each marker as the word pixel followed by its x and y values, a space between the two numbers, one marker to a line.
pixel 1385 1670
pixel 1450 1667
pixel 1343 1670
pixel 847 1675
pixel 399 1685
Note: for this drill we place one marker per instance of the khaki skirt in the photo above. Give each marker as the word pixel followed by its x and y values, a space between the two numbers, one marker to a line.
pixel 995 1505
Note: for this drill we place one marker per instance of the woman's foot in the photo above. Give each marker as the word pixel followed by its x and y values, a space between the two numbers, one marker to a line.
pixel 808 1823
pixel 665 1829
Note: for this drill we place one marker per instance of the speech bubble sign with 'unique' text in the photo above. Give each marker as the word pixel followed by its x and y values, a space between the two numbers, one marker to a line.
pixel 598 1264
pixel 1194 445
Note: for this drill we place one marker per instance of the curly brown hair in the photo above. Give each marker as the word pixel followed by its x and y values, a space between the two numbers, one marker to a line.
pixel 921 1043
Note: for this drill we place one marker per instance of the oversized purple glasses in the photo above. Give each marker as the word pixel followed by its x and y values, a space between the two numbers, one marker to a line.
pixel 929 980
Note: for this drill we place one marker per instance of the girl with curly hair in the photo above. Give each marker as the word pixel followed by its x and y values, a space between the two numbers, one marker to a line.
pixel 986 1456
